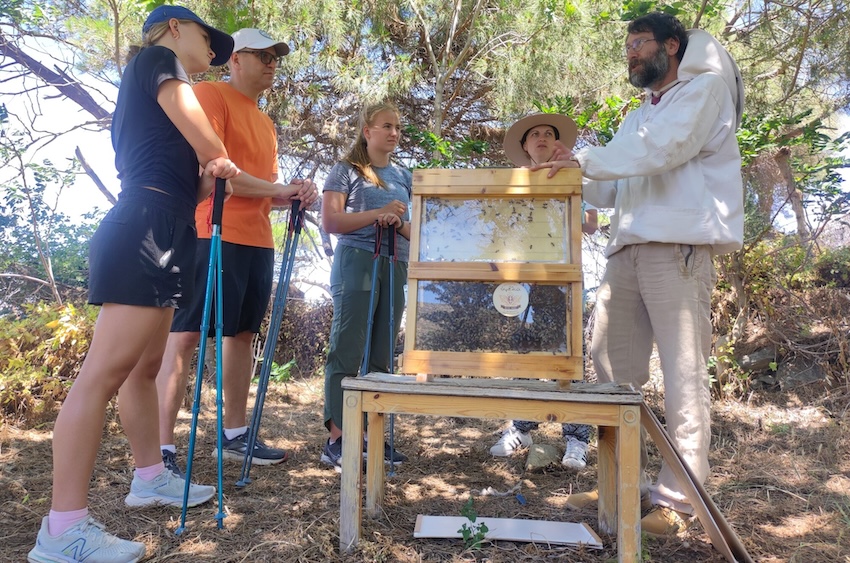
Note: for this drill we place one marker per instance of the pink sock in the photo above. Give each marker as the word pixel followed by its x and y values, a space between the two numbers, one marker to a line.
pixel 150 472
pixel 58 522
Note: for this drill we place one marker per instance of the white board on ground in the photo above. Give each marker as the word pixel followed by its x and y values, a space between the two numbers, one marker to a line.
pixel 510 529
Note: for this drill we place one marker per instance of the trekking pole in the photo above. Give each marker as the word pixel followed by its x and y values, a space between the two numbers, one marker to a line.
pixel 391 232
pixel 370 321
pixel 213 275
pixel 391 237
pixel 296 219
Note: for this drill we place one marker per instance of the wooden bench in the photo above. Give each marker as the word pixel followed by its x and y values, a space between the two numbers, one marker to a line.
pixel 495 295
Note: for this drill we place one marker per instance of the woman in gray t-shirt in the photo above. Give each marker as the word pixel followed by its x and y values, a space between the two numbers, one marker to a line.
pixel 364 191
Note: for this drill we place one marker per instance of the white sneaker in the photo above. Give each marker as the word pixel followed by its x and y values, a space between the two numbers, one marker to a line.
pixel 166 488
pixel 511 440
pixel 86 541
pixel 576 455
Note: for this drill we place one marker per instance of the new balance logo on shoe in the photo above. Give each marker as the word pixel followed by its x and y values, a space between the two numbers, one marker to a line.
pixel 78 551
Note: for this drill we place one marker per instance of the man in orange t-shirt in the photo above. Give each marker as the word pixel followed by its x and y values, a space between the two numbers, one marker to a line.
pixel 247 246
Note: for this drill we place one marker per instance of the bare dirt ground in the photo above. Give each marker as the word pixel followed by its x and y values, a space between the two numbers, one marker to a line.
pixel 780 474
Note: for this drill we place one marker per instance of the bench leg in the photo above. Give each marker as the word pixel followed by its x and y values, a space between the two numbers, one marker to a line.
pixel 628 464
pixel 375 463
pixel 350 499
pixel 607 479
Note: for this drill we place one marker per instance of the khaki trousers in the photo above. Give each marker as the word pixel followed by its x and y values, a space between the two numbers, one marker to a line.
pixel 662 292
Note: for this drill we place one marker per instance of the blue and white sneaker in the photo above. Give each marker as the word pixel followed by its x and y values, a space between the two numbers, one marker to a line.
pixel 166 489
pixel 86 541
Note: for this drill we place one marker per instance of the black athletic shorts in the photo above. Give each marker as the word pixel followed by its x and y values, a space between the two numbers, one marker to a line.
pixel 143 253
pixel 246 285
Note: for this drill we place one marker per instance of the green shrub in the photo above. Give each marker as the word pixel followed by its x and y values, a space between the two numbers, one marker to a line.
pixel 832 268
pixel 41 352
pixel 777 261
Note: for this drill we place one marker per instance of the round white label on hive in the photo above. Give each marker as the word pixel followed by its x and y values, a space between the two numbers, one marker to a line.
pixel 510 299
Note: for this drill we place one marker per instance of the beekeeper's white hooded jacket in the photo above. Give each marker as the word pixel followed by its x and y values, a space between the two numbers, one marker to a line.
pixel 672 172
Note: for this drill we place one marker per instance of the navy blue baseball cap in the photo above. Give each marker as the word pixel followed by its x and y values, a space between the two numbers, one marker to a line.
pixel 221 43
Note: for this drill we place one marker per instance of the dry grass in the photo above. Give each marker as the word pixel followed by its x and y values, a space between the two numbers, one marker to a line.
pixel 781 475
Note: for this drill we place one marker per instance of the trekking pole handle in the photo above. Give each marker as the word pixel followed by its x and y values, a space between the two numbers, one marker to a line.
pixel 391 241
pixel 378 232
pixel 218 200
pixel 294 212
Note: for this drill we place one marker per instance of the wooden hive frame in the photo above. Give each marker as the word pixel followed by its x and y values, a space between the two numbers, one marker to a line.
pixel 497 185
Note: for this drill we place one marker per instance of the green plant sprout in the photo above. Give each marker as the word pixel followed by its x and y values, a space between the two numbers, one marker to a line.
pixel 473 533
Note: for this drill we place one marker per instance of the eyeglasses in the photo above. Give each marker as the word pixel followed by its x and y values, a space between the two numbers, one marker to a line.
pixel 635 46
pixel 264 56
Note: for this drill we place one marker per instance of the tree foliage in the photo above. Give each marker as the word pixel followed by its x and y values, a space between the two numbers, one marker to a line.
pixel 41 250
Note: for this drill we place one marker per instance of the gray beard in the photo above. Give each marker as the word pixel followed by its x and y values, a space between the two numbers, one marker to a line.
pixel 653 70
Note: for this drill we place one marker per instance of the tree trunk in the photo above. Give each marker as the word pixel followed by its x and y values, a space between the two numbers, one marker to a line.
pixel 795 196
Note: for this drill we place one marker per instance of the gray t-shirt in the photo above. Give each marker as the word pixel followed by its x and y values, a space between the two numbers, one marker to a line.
pixel 362 195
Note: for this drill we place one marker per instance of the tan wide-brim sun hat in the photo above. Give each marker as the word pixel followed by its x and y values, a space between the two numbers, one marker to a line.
pixel 565 127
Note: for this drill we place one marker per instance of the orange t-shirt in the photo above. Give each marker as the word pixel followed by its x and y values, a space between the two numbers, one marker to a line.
pixel 251 142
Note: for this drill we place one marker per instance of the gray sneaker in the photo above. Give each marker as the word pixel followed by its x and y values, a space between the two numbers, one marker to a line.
pixel 86 541
pixel 169 459
pixel 263 455
pixel 167 489
pixel 332 454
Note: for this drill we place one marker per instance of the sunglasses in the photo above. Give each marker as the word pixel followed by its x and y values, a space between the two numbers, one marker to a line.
pixel 264 56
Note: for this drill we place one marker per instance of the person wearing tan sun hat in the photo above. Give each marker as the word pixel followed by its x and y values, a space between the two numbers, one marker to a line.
pixel 528 142
pixel 247 246
pixel 531 141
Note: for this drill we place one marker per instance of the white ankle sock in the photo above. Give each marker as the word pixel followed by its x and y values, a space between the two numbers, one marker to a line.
pixel 231 433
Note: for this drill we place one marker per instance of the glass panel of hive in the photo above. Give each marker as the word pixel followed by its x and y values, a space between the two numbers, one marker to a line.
pixel 494 230
pixel 464 317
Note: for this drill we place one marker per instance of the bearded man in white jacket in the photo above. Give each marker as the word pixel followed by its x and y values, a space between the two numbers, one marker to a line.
pixel 672 174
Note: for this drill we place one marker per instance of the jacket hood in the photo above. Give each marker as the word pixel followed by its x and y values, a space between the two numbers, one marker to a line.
pixel 705 54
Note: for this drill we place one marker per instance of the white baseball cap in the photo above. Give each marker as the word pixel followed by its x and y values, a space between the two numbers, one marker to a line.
pixel 251 38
